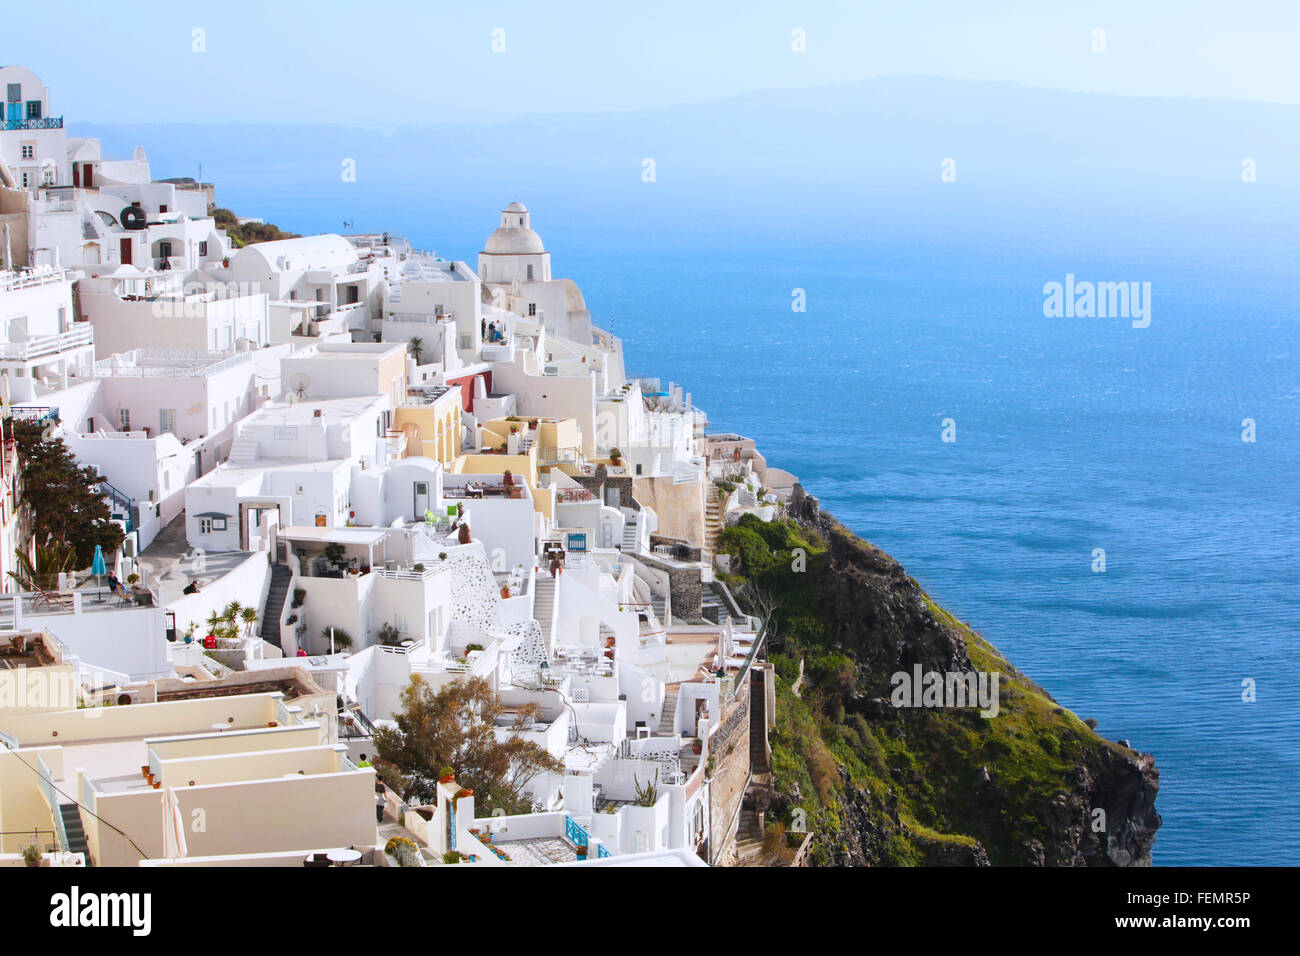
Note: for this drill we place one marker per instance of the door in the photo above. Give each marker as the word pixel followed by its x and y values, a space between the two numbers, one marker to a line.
pixel 15 115
pixel 88 176
pixel 126 251
pixel 421 499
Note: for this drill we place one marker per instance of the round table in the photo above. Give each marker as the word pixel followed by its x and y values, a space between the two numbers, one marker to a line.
pixel 343 857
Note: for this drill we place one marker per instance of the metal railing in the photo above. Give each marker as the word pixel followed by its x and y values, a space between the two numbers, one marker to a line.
pixel 47 788
pixel 37 122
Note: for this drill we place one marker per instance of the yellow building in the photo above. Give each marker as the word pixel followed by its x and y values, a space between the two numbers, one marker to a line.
pixel 433 429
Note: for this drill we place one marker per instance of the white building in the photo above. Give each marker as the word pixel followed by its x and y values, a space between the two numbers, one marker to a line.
pixel 516 272
pixel 130 309
pixel 297 459
pixel 42 347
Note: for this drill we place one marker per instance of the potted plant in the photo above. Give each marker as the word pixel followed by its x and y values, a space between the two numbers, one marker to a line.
pixel 447 775
pixel 582 852
pixel 698 746
pixel 462 535
pixel 505 591
pixel 418 568
pixel 615 456
pixel 32 854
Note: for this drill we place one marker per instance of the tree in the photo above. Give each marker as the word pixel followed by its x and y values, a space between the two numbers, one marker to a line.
pixel 67 505
pixel 456 727
pixel 249 616
pixel 416 348
pixel 764 605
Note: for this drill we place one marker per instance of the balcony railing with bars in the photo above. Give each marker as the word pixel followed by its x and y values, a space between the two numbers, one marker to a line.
pixel 39 122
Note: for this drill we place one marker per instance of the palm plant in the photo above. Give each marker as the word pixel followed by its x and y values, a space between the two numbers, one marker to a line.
pixel 416 348
pixel 52 558
pixel 232 612
pixel 249 616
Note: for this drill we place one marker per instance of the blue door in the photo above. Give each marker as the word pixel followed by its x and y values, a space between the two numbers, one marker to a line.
pixel 15 115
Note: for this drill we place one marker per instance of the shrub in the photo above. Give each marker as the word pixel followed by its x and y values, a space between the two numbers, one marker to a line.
pixel 341 637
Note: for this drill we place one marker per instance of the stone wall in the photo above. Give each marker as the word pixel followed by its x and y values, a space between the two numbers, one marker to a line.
pixel 684 588
pixel 729 749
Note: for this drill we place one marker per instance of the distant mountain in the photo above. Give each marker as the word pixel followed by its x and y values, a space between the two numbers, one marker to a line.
pixel 854 160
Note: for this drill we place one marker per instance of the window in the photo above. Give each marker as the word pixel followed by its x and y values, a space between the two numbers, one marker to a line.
pixel 203 247
pixel 205 526
pixel 164 250
pixel 162 207
pixel 530 273
pixel 124 419
pixel 33 109
pixel 29 150
pixel 15 93
pixel 167 420
pixel 26 181
pixel 532 308
pixel 218 524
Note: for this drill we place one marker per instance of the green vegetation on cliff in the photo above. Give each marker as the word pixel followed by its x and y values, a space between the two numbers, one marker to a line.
pixel 884 785
pixel 249 232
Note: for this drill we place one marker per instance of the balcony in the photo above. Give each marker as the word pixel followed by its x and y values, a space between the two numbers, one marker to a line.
pixel 43 122
pixel 31 278
pixel 46 345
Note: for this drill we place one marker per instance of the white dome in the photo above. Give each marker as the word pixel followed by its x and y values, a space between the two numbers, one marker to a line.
pixel 516 206
pixel 514 242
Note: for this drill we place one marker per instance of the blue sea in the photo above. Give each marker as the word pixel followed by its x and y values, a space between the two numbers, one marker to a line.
pixel 925 303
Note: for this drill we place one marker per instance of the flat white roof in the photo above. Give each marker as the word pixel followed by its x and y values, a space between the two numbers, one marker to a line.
pixel 341 535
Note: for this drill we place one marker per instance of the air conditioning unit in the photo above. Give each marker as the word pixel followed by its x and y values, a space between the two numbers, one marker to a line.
pixel 124 697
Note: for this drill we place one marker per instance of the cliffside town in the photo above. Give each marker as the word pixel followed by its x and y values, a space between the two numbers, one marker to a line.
pixel 360 528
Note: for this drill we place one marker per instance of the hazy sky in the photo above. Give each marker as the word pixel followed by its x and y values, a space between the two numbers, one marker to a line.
pixel 427 62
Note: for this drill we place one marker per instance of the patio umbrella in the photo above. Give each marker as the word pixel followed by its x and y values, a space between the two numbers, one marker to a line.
pixel 97 566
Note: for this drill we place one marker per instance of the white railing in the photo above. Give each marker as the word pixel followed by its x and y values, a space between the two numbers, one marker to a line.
pixel 31 278
pixel 48 344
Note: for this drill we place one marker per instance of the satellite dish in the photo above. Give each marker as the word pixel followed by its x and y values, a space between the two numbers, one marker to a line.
pixel 299 384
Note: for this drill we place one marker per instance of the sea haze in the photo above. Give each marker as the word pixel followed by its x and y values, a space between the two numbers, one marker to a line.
pixel 925 302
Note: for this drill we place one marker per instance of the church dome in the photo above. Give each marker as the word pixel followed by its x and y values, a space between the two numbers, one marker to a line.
pixel 515 236
pixel 514 240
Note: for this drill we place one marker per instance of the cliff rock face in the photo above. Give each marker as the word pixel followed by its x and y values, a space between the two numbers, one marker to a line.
pixel 1033 785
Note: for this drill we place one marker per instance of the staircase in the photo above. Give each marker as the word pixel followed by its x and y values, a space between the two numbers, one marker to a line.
pixel 749 836
pixel 544 603
pixel 630 536
pixel 243 452
pixel 668 719
pixel 72 827
pixel 714 522
pixel 280 577
pixel 759 763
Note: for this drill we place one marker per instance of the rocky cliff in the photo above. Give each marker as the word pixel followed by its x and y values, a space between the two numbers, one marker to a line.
pixel 921 785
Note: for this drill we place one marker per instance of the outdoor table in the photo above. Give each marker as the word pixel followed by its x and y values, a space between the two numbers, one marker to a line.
pixel 343 857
